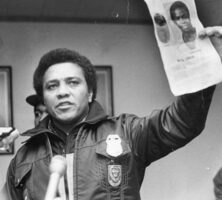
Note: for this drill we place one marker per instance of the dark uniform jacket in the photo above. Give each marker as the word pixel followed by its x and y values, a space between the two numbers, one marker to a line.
pixel 110 153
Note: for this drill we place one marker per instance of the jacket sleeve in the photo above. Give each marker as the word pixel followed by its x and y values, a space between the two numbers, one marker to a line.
pixel 168 129
pixel 13 192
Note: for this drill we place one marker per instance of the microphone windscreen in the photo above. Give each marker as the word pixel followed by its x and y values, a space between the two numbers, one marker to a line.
pixel 13 135
pixel 58 165
pixel 57 169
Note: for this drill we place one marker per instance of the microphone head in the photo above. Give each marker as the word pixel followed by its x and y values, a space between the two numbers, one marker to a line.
pixel 58 165
pixel 14 134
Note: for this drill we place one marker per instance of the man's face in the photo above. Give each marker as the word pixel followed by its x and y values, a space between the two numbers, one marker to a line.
pixel 40 113
pixel 182 20
pixel 65 92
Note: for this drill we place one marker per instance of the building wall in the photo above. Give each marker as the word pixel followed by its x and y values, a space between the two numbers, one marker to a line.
pixel 139 86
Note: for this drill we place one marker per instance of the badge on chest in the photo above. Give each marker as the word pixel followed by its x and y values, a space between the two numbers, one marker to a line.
pixel 114 146
pixel 114 175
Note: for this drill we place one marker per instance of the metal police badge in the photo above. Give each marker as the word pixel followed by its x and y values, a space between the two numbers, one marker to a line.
pixel 114 147
pixel 114 175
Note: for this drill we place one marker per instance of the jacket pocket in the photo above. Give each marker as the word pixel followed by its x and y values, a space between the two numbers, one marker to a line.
pixel 21 174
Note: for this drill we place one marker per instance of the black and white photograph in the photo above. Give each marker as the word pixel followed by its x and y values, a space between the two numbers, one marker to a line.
pixel 98 102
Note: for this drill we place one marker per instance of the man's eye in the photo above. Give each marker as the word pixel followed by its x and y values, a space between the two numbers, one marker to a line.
pixel 51 86
pixel 73 82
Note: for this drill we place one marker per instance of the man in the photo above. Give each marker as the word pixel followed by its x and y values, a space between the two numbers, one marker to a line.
pixel 180 15
pixel 39 108
pixel 106 156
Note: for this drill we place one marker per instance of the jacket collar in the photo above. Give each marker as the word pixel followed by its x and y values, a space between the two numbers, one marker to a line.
pixel 95 115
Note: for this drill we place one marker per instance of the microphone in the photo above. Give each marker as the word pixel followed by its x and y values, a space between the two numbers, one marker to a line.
pixel 57 169
pixel 7 136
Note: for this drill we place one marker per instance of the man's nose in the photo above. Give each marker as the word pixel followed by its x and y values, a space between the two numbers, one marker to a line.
pixel 63 90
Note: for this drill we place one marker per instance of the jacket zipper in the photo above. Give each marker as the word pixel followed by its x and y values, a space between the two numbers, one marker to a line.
pixel 75 161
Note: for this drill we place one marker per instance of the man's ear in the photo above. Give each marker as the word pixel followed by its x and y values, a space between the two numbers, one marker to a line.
pixel 90 97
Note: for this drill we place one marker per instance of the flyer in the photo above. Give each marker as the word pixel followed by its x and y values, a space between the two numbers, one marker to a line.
pixel 190 63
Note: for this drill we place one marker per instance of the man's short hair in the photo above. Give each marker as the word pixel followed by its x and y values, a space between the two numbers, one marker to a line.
pixel 178 5
pixel 62 55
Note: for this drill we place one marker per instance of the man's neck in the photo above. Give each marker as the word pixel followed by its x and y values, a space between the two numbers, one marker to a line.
pixel 64 127
pixel 67 127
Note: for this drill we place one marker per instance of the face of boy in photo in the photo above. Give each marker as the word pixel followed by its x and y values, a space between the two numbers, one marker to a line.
pixel 182 20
